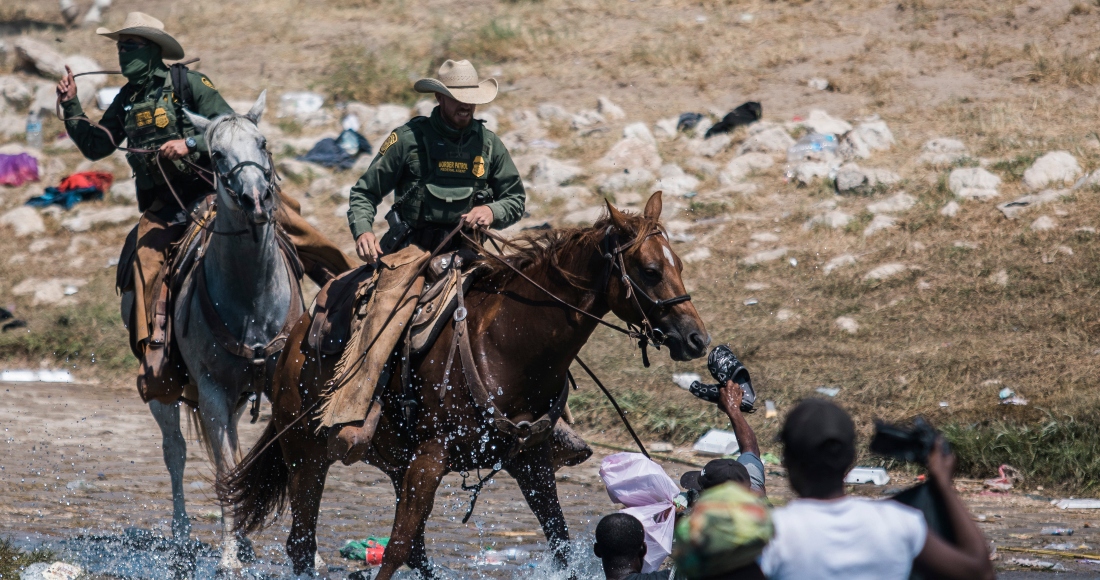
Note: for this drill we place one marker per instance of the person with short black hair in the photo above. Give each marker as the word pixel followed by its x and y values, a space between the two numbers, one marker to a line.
pixel 826 534
pixel 620 544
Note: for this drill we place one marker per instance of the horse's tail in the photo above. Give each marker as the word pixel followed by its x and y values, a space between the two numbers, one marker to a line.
pixel 257 488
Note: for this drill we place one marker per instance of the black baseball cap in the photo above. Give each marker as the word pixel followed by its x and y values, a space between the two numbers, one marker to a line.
pixel 715 472
pixel 819 429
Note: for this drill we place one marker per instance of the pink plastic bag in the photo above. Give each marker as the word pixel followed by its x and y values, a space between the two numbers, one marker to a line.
pixel 647 492
pixel 15 170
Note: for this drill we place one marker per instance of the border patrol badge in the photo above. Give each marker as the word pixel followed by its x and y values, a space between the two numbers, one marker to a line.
pixel 388 143
pixel 479 166
pixel 207 82
pixel 160 117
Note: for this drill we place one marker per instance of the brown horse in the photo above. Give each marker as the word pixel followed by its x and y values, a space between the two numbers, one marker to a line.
pixel 522 343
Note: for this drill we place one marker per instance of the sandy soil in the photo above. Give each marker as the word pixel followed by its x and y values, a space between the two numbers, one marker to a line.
pixel 85 459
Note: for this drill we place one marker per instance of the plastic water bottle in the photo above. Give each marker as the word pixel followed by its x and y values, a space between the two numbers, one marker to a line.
pixel 816 146
pixel 34 130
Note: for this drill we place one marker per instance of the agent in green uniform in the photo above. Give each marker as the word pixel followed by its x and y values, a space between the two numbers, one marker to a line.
pixel 148 114
pixel 442 169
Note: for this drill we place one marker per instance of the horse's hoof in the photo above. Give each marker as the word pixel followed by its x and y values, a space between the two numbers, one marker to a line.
pixel 245 552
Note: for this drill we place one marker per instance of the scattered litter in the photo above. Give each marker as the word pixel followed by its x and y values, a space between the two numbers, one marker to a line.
pixel 1031 563
pixel 78 187
pixel 813 147
pixel 1008 476
pixel 55 571
pixel 1006 393
pixel 648 493
pixel 875 475
pixel 818 83
pixel 340 152
pixel 828 391
pixel 105 96
pixel 1078 504
pixel 15 170
pixel 1014 401
pixel 1067 546
pixel 717 442
pixel 13 325
pixel 70 290
pixel 751 302
pixel 944 404
pixel 28 376
pixel 490 557
pixel 769 410
pixel 688 121
pixel 770 458
pixel 300 103
pixel 744 114
pixel 369 550
pixel 1056 531
pixel 684 380
pixel 661 447
pixel 793 262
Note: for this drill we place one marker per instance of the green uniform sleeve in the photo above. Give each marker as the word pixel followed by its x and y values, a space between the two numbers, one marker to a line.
pixel 208 102
pixel 380 178
pixel 509 197
pixel 91 141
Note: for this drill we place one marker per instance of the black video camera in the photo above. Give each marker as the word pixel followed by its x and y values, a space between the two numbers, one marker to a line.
pixel 910 445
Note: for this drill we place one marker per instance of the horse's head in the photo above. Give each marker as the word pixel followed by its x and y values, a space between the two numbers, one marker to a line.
pixel 242 165
pixel 645 283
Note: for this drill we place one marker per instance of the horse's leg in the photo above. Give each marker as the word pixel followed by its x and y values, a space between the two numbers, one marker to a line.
pixel 174 447
pixel 306 454
pixel 534 472
pixel 414 505
pixel 218 415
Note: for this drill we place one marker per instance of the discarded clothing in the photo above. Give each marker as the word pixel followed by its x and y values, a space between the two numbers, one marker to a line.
pixel 340 152
pixel 688 121
pixel 15 170
pixel 74 189
pixel 745 114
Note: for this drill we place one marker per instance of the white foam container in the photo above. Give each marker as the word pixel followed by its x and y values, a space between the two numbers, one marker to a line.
pixel 717 442
pixel 875 475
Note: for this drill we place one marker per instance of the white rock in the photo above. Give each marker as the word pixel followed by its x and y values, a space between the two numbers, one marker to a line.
pixel 39 56
pixel 586 119
pixel 973 183
pixel 875 134
pixel 576 195
pixel 1000 277
pixel 666 128
pixel 1055 169
pixel 699 131
pixel 86 219
pixel 783 315
pixel 764 237
pixel 819 121
pixel 14 93
pixel 742 166
pixel 585 216
pixel 47 291
pixel 1017 206
pixel 818 83
pixel 710 147
pixel 772 140
pixel 549 172
pixel 702 166
pixel 388 118
pixel 834 219
pixel 943 151
pixel 951 209
pixel 25 220
pixel 638 131
pixel 609 109
pixel 839 262
pixel 86 85
pixel 124 189
pixel 1043 223
pixel 628 198
pixel 847 324
pixel 697 255
pixel 490 119
pixel 54 571
pixel 851 178
pixel 879 223
pixel 884 271
pixel 896 203
pixel 550 112
pixel 636 150
pixel 673 181
pixel 762 257
pixel 808 171
pixel 625 180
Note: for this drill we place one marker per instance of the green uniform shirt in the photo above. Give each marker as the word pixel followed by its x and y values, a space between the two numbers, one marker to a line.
pixel 401 164
pixel 137 117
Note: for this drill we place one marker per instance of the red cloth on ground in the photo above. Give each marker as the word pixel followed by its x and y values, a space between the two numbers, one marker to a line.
pixel 97 179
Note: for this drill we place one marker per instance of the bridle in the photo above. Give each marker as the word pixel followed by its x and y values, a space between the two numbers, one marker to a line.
pixel 224 179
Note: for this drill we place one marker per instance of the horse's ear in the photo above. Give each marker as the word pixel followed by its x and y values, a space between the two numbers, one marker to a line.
pixel 617 218
pixel 257 109
pixel 200 122
pixel 653 206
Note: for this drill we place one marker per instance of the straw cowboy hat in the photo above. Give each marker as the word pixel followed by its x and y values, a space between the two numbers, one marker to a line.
pixel 149 28
pixel 458 80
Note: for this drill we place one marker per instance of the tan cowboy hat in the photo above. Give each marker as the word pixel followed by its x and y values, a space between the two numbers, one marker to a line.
pixel 458 80
pixel 149 28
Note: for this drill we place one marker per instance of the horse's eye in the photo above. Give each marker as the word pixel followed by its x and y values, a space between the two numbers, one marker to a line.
pixel 652 274
pixel 217 155
pixel 263 143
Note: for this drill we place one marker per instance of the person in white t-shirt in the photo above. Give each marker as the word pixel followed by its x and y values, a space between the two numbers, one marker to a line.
pixel 827 535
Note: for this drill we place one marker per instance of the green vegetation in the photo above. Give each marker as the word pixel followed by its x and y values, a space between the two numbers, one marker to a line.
pixel 354 73
pixel 1013 169
pixel 13 560
pixel 653 417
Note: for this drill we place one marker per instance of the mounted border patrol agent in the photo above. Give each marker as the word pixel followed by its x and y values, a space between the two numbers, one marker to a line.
pixel 148 113
pixel 443 169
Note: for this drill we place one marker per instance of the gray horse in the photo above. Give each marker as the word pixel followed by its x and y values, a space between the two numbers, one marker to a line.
pixel 250 286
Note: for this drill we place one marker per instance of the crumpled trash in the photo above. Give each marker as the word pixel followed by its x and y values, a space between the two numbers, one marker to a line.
pixel 369 550
pixel 490 557
pixel 648 493
pixel 15 170
pixel 1033 563
pixel 1056 531
pixel 688 121
pixel 78 187
pixel 340 152
pixel 1008 476
pixel 745 114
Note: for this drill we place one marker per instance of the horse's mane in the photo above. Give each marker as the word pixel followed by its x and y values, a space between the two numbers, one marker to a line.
pixel 538 249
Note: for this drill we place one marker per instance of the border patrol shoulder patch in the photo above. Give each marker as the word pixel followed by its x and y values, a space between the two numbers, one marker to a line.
pixel 388 143
pixel 207 82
